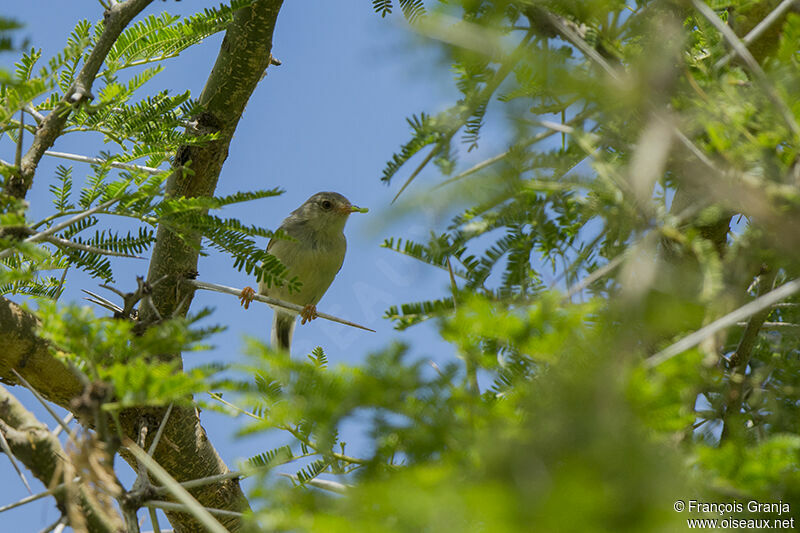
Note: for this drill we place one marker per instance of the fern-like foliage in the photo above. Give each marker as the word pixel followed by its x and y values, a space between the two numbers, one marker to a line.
pixel 61 194
pixel 412 9
pixel 272 458
pixel 130 243
pixel 318 357
pixel 382 7
pixel 312 471
pixel 411 314
pixel 425 131
pixel 158 37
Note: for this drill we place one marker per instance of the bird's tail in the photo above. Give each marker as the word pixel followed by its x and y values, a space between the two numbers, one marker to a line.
pixel 282 330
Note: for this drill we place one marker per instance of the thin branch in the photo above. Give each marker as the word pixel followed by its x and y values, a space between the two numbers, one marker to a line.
pixel 7 450
pixel 190 504
pixel 45 405
pixel 58 241
pixel 140 62
pixel 161 427
pixel 777 326
pixel 116 19
pixel 703 158
pixel 594 276
pixel 485 95
pixel 314 446
pixel 99 161
pixel 154 520
pixel 324 484
pixel 741 357
pixel 219 398
pixel 483 164
pixel 102 302
pixel 38 117
pixel 42 235
pixel 20 137
pixel 469 363
pixel 762 302
pixel 149 220
pixel 57 526
pixel 67 419
pixel 768 21
pixel 38 496
pixel 761 77
pixel 499 157
pixel 172 506
pixel 580 43
pixel 271 301
pixel 436 149
pixel 76 218
pixel 209 480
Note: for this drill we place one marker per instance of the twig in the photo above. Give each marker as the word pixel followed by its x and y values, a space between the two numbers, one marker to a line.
pixel 703 158
pixel 759 29
pixel 102 302
pixel 218 397
pixel 745 311
pixel 57 526
pixel 761 77
pixel 776 326
pixel 7 450
pixel 436 150
pixel 190 504
pixel 58 241
pixel 483 164
pixel 314 446
pixel 580 43
pixel 38 496
pixel 45 405
pixel 58 227
pixel 154 520
pixel 199 482
pixel 269 300
pixel 67 419
pixel 172 506
pixel 117 18
pixel 469 363
pixel 20 137
pixel 80 216
pixel 741 357
pixel 485 95
pixel 98 161
pixel 324 484
pixel 161 427
pixel 594 276
pixel 38 117
pixel 499 157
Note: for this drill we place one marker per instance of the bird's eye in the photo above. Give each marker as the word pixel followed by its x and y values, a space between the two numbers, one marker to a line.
pixel 326 204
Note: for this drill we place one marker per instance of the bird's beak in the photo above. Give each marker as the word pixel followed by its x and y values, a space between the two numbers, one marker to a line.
pixel 354 209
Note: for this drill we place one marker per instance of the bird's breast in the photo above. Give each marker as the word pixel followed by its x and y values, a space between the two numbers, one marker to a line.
pixel 314 262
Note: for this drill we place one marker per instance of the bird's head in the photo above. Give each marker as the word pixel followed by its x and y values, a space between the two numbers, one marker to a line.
pixel 327 211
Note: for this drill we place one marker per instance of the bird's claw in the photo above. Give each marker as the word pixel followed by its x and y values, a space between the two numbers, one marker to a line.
pixel 247 295
pixel 308 313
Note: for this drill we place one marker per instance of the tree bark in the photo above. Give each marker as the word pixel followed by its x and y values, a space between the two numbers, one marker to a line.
pixel 184 451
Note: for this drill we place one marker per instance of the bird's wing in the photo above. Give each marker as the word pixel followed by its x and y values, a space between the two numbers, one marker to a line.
pixel 344 250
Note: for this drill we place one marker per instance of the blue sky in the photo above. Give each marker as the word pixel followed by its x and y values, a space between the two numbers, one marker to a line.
pixel 327 119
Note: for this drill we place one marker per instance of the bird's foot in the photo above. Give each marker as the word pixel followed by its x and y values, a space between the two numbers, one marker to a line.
pixel 247 296
pixel 308 313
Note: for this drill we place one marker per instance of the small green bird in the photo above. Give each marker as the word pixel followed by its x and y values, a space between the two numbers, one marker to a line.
pixel 315 256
